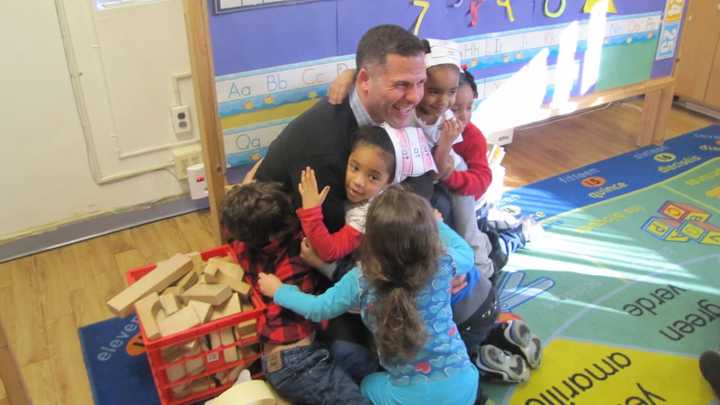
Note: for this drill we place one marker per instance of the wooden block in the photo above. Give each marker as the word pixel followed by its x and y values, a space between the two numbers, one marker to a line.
pixel 198 263
pixel 187 281
pixel 214 339
pixel 211 269
pixel 221 277
pixel 172 353
pixel 181 391
pixel 230 376
pixel 192 345
pixel 230 307
pixel 166 273
pixel 231 269
pixel 231 274
pixel 215 342
pixel 228 338
pixel 247 352
pixel 214 294
pixel 173 289
pixel 169 303
pixel 201 385
pixel 147 309
pixel 160 315
pixel 196 365
pixel 202 309
pixel 246 329
pixel 175 372
pixel 181 320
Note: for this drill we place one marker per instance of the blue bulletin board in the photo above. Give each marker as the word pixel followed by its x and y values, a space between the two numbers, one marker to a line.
pixel 275 58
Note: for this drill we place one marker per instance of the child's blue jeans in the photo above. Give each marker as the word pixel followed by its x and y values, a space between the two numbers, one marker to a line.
pixel 309 376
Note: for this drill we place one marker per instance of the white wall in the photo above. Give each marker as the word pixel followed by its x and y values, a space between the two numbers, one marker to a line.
pixel 126 58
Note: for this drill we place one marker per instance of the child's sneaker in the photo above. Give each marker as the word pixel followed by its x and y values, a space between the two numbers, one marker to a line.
pixel 519 339
pixel 502 220
pixel 531 230
pixel 710 368
pixel 499 365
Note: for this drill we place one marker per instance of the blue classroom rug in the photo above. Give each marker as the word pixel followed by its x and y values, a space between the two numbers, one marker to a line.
pixel 116 364
pixel 623 287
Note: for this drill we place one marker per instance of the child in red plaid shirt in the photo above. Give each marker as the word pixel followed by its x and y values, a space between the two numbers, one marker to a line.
pixel 260 218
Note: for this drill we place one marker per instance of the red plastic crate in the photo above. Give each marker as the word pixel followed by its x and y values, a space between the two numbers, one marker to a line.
pixel 213 359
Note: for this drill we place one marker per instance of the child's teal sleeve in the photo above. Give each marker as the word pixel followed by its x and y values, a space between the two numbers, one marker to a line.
pixel 335 301
pixel 455 246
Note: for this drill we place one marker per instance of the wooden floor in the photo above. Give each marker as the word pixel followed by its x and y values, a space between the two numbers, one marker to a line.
pixel 44 298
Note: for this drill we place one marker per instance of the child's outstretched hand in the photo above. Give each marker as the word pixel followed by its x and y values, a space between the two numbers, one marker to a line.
pixel 268 283
pixel 308 189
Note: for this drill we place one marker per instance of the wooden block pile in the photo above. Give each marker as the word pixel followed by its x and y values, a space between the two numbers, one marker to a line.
pixel 184 292
pixel 188 360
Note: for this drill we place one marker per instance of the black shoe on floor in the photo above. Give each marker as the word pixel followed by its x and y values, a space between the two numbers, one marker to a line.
pixel 516 337
pixel 710 368
pixel 499 365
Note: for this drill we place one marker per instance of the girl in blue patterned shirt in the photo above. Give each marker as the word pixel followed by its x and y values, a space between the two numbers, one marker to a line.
pixel 402 288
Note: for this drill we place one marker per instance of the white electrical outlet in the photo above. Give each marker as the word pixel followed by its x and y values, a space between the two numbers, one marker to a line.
pixel 185 157
pixel 180 117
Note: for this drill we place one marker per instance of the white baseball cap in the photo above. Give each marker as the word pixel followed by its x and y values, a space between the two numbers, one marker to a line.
pixel 443 52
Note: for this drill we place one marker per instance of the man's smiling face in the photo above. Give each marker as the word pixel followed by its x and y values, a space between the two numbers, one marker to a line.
pixel 394 89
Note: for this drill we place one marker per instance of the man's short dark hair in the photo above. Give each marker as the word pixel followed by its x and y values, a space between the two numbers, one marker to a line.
pixel 382 40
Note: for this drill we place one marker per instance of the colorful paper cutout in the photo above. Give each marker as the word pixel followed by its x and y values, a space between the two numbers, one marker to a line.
pixel 508 8
pixel 557 13
pixel 589 4
pixel 474 7
pixel 425 5
pixel 673 10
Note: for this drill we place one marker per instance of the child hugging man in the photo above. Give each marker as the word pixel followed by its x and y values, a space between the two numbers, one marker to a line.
pixel 260 219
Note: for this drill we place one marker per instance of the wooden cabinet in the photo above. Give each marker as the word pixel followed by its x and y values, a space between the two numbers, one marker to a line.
pixel 698 68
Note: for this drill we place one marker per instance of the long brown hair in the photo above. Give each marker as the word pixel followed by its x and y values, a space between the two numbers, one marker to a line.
pixel 399 257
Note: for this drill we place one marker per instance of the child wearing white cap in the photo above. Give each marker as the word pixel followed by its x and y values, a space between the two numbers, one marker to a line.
pixel 443 130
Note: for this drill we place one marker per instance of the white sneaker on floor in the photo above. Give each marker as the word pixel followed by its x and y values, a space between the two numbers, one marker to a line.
pixel 531 229
pixel 502 220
